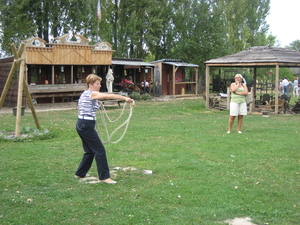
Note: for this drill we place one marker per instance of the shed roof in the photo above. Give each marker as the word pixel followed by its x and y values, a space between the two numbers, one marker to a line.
pixel 259 56
pixel 175 62
pixel 130 63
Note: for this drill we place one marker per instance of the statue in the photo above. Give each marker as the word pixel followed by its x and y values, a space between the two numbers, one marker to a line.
pixel 109 80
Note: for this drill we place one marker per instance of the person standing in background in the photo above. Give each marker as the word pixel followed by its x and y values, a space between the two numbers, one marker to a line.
pixel 296 87
pixel 145 86
pixel 285 84
pixel 238 105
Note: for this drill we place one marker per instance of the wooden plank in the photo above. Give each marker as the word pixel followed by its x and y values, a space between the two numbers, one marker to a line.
pixel 55 95
pixel 253 64
pixel 33 89
pixel 37 123
pixel 20 94
pixel 185 82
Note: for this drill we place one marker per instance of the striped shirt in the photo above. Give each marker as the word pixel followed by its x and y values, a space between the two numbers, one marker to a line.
pixel 86 105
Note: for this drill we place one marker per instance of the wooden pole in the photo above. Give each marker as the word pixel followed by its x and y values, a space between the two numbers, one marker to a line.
pixel 196 79
pixel 251 104
pixel 228 98
pixel 254 83
pixel 7 84
pixel 52 74
pixel 207 86
pixel 276 87
pixel 37 124
pixel 16 62
pixel 20 56
pixel 20 95
pixel 173 80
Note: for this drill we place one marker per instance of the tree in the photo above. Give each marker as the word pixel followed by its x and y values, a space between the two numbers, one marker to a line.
pixel 246 23
pixel 132 27
pixel 295 45
pixel 200 34
pixel 191 30
pixel 22 19
pixel 257 11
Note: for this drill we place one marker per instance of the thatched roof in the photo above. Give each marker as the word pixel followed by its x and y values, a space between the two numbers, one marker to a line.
pixel 259 56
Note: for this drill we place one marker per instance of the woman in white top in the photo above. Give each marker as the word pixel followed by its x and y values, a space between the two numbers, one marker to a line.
pixel 238 105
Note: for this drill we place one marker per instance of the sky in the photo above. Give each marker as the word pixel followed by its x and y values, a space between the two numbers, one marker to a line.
pixel 284 20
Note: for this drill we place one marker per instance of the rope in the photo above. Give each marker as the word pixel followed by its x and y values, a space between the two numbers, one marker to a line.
pixel 104 114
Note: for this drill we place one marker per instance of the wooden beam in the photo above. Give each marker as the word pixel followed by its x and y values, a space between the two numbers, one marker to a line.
pixel 52 75
pixel 20 95
pixel 37 124
pixel 186 83
pixel 262 64
pixel 173 79
pixel 12 71
pixel 196 79
pixel 57 95
pixel 7 83
pixel 207 86
pixel 276 87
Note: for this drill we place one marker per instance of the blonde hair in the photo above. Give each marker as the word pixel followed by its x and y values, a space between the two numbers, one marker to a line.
pixel 239 75
pixel 92 78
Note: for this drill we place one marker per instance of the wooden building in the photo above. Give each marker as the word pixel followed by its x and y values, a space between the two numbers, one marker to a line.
pixel 131 68
pixel 174 77
pixel 56 72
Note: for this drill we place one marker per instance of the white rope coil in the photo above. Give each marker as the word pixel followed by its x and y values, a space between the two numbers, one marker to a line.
pixel 104 115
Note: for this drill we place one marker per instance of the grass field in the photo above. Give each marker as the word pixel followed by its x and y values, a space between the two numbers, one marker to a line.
pixel 201 174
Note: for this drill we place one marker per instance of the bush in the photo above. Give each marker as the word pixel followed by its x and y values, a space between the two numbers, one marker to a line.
pixel 138 96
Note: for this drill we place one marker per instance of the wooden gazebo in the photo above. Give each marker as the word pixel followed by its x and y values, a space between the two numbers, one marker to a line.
pixel 256 57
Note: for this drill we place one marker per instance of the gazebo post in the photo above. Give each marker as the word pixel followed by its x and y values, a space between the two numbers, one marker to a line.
pixel 207 87
pixel 196 79
pixel 276 89
pixel 254 86
pixel 173 79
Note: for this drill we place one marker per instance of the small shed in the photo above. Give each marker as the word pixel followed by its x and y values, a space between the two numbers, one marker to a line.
pixel 256 57
pixel 137 69
pixel 175 77
pixel 56 72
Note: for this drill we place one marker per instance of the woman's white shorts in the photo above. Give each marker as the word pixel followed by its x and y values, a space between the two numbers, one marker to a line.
pixel 238 109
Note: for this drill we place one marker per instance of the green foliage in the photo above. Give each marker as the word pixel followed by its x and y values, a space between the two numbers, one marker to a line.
pixel 26 134
pixel 21 19
pixel 201 175
pixel 295 45
pixel 268 75
pixel 138 96
pixel 190 30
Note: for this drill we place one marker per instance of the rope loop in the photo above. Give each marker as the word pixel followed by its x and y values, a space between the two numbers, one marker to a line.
pixel 104 116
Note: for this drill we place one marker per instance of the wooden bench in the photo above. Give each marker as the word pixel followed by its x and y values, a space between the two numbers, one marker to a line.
pixel 56 90
pixel 105 101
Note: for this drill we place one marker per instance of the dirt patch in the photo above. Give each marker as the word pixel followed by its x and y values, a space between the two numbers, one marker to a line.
pixel 240 221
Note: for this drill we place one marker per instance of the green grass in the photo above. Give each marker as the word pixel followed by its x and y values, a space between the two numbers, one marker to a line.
pixel 201 175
